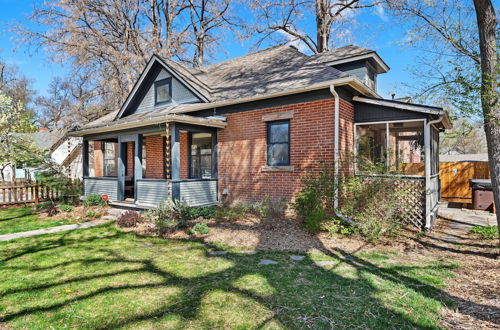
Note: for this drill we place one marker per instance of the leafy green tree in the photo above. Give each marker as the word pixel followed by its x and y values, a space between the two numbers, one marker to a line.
pixel 17 148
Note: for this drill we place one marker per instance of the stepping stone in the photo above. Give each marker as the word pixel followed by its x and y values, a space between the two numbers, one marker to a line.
pixel 147 245
pixel 347 258
pixel 116 212
pixel 324 263
pixel 249 252
pixel 297 258
pixel 109 217
pixel 218 253
pixel 267 262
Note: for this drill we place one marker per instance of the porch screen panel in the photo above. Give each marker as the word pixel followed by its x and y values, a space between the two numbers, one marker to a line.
pixel 434 151
pixel 406 148
pixel 371 148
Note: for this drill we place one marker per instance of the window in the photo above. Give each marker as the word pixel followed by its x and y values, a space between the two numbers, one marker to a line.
pixel 144 157
pixel 201 156
pixel 109 165
pixel 278 143
pixel 163 91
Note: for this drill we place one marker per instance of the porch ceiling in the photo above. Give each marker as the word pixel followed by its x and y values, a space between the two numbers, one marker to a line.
pixel 142 121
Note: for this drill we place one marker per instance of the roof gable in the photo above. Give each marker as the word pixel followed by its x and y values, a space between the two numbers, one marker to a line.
pixel 156 69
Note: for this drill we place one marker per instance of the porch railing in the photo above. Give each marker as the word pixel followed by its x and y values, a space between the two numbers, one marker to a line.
pixel 151 191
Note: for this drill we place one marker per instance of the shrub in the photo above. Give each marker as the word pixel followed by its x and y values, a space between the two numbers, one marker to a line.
pixel 48 207
pixel 43 205
pixel 230 213
pixel 309 208
pixel 206 212
pixel 337 226
pixel 169 216
pixel 92 214
pixel 94 200
pixel 129 219
pixel 268 209
pixel 66 208
pixel 485 232
pixel 201 228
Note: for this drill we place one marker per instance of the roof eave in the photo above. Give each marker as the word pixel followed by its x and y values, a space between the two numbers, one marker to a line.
pixel 382 67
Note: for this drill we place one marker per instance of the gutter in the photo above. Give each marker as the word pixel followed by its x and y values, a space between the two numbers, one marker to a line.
pixel 427 144
pixel 336 160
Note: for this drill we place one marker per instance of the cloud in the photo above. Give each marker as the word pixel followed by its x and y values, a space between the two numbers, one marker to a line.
pixel 380 12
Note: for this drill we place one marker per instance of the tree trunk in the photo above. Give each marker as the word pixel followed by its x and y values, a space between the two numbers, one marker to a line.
pixel 322 33
pixel 487 24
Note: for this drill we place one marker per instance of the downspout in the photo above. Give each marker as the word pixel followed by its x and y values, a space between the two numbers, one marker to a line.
pixel 336 160
pixel 427 142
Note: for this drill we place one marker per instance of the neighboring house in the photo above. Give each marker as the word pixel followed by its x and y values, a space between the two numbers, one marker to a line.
pixel 63 149
pixel 253 126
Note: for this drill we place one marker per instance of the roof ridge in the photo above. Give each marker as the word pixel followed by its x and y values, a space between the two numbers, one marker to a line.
pixel 246 55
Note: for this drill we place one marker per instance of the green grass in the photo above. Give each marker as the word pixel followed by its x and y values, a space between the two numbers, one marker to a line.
pixel 23 219
pixel 104 278
pixel 485 232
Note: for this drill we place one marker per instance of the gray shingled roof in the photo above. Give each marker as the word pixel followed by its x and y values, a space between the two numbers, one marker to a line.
pixel 341 53
pixel 268 71
pixel 44 139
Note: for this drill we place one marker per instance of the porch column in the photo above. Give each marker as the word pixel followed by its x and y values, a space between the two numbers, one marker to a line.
pixel 122 155
pixel 427 160
pixel 137 162
pixel 85 158
pixel 175 160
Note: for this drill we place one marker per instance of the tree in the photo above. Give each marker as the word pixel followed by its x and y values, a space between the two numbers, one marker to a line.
pixel 17 148
pixel 284 16
pixel 487 28
pixel 464 138
pixel 464 35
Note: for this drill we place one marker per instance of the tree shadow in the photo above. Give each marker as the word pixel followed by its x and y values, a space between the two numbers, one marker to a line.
pixel 304 292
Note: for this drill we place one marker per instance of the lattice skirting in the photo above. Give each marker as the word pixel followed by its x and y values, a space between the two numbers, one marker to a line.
pixel 413 193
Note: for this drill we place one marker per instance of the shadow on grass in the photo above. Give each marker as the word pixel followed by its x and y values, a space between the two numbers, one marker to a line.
pixel 305 295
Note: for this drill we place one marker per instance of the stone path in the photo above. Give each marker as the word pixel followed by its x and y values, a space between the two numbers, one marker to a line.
pixel 113 214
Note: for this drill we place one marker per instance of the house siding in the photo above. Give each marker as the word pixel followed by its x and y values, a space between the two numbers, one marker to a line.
pixel 242 149
pixel 180 94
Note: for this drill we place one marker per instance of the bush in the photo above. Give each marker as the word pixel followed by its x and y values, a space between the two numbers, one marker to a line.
pixel 92 214
pixel 206 212
pixel 169 216
pixel 309 208
pixel 230 213
pixel 337 226
pixel 201 228
pixel 48 207
pixel 42 206
pixel 485 232
pixel 268 209
pixel 94 200
pixel 129 219
pixel 66 208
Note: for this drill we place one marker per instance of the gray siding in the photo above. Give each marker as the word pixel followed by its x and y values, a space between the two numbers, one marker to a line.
pixel 196 193
pixel 362 70
pixel 180 94
pixel 151 192
pixel 373 113
pixel 101 186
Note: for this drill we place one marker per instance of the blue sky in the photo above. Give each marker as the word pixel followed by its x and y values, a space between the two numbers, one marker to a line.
pixel 376 31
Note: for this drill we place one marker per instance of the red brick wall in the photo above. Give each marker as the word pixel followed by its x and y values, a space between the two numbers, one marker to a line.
pixel 98 158
pixel 184 152
pixel 154 157
pixel 242 148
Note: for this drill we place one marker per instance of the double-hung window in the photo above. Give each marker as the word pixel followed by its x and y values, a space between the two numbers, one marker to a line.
pixel 109 153
pixel 278 143
pixel 163 91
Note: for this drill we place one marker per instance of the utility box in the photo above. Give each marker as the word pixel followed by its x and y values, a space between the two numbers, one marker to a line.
pixel 482 195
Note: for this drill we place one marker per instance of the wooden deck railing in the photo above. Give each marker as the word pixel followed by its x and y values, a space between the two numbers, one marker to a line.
pixel 26 194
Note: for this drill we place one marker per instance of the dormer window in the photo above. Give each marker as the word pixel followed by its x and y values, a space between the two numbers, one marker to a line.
pixel 163 91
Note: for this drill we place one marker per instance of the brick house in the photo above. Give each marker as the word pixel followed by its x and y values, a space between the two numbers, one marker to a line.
pixel 253 126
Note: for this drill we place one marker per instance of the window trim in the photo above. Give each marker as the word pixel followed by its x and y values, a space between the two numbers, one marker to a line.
pixel 268 143
pixel 190 156
pixel 162 82
pixel 104 159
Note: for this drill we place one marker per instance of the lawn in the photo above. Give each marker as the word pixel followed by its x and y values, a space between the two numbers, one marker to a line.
pixel 104 278
pixel 23 219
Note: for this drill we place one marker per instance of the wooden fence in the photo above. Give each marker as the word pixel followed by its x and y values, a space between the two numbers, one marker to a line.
pixel 455 179
pixel 26 194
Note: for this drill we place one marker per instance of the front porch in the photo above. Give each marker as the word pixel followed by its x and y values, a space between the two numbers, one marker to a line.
pixel 142 167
